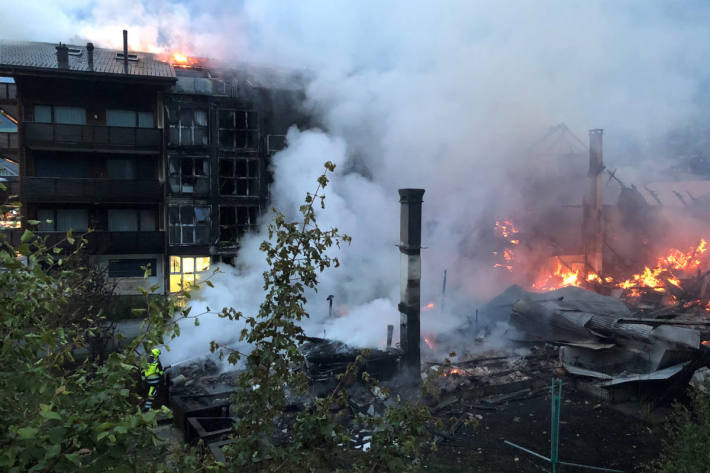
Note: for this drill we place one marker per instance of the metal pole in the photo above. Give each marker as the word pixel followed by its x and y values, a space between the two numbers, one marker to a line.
pixel 556 390
pixel 390 332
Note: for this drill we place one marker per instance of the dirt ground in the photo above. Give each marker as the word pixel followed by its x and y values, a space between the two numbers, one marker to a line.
pixel 591 433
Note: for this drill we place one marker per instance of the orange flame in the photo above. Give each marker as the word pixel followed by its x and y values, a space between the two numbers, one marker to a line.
pixel 705 343
pixel 506 230
pixel 429 343
pixel 429 306
pixel 675 260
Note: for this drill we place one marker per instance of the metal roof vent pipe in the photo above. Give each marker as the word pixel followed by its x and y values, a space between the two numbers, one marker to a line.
pixel 410 267
pixel 125 51
pixel 62 56
pixel 90 55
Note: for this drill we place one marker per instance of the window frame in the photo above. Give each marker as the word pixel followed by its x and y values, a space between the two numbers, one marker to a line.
pixel 250 183
pixel 175 123
pixel 53 118
pixel 136 118
pixel 195 225
pixel 253 212
pixel 176 274
pixel 139 273
pixel 176 162
pixel 251 132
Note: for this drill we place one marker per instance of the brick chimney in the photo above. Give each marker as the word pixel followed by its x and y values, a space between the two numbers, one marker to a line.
pixel 62 56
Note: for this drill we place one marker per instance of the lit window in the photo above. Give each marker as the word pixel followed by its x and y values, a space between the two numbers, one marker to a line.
pixel 186 270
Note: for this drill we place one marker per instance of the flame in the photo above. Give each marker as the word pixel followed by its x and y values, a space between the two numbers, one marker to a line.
pixel 457 372
pixel 506 230
pixel 429 343
pixel 705 343
pixel 666 266
pixel 429 306
pixel 180 58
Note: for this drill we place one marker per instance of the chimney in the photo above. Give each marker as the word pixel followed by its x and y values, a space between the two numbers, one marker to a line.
pixel 410 236
pixel 592 229
pixel 90 55
pixel 125 51
pixel 62 56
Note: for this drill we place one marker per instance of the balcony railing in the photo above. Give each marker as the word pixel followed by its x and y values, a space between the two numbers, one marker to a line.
pixel 103 243
pixel 61 189
pixel 96 137
pixel 8 140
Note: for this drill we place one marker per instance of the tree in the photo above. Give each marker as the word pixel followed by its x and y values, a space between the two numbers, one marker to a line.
pixel 685 449
pixel 296 252
pixel 61 414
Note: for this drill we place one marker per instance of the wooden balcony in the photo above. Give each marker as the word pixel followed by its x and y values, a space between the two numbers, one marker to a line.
pixel 103 243
pixel 114 139
pixel 77 190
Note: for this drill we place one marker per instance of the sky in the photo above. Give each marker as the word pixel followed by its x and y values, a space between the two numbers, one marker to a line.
pixel 447 96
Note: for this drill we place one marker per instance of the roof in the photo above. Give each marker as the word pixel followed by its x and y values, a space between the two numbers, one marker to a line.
pixel 559 141
pixel 677 193
pixel 19 56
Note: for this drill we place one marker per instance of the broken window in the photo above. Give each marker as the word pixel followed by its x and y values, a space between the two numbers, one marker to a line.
pixel 238 129
pixel 188 126
pixel 239 176
pixel 186 270
pixel 129 118
pixel 235 221
pixel 189 174
pixel 189 225
pixel 131 220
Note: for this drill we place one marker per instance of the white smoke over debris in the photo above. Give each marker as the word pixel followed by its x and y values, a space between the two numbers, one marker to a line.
pixel 446 96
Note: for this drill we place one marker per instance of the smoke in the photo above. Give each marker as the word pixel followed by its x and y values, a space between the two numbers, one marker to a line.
pixel 443 96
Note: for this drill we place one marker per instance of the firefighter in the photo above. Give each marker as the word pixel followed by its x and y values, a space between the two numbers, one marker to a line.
pixel 152 373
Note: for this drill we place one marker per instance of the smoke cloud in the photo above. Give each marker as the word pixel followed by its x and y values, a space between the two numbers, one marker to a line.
pixel 447 97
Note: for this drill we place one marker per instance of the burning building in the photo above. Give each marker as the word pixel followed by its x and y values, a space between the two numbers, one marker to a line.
pixel 164 157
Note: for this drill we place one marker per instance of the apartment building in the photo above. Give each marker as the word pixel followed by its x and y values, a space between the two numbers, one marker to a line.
pixel 167 163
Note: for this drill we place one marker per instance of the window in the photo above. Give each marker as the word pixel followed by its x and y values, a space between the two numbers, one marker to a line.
pixel 186 270
pixel 234 221
pixel 131 220
pixel 129 118
pixel 188 127
pixel 57 167
pixel 239 176
pixel 189 174
pixel 63 220
pixel 131 268
pixel 189 225
pixel 58 114
pixel 121 168
pixel 238 129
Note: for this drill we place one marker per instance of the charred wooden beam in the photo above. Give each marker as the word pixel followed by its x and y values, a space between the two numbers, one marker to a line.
pixel 592 230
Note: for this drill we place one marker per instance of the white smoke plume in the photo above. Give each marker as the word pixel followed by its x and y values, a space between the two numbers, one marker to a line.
pixel 446 96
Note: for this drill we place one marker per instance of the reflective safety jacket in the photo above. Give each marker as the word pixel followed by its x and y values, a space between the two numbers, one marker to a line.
pixel 153 368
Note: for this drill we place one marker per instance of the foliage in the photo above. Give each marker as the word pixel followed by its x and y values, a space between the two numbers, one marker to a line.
pixel 688 435
pixel 61 414
pixel 318 438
